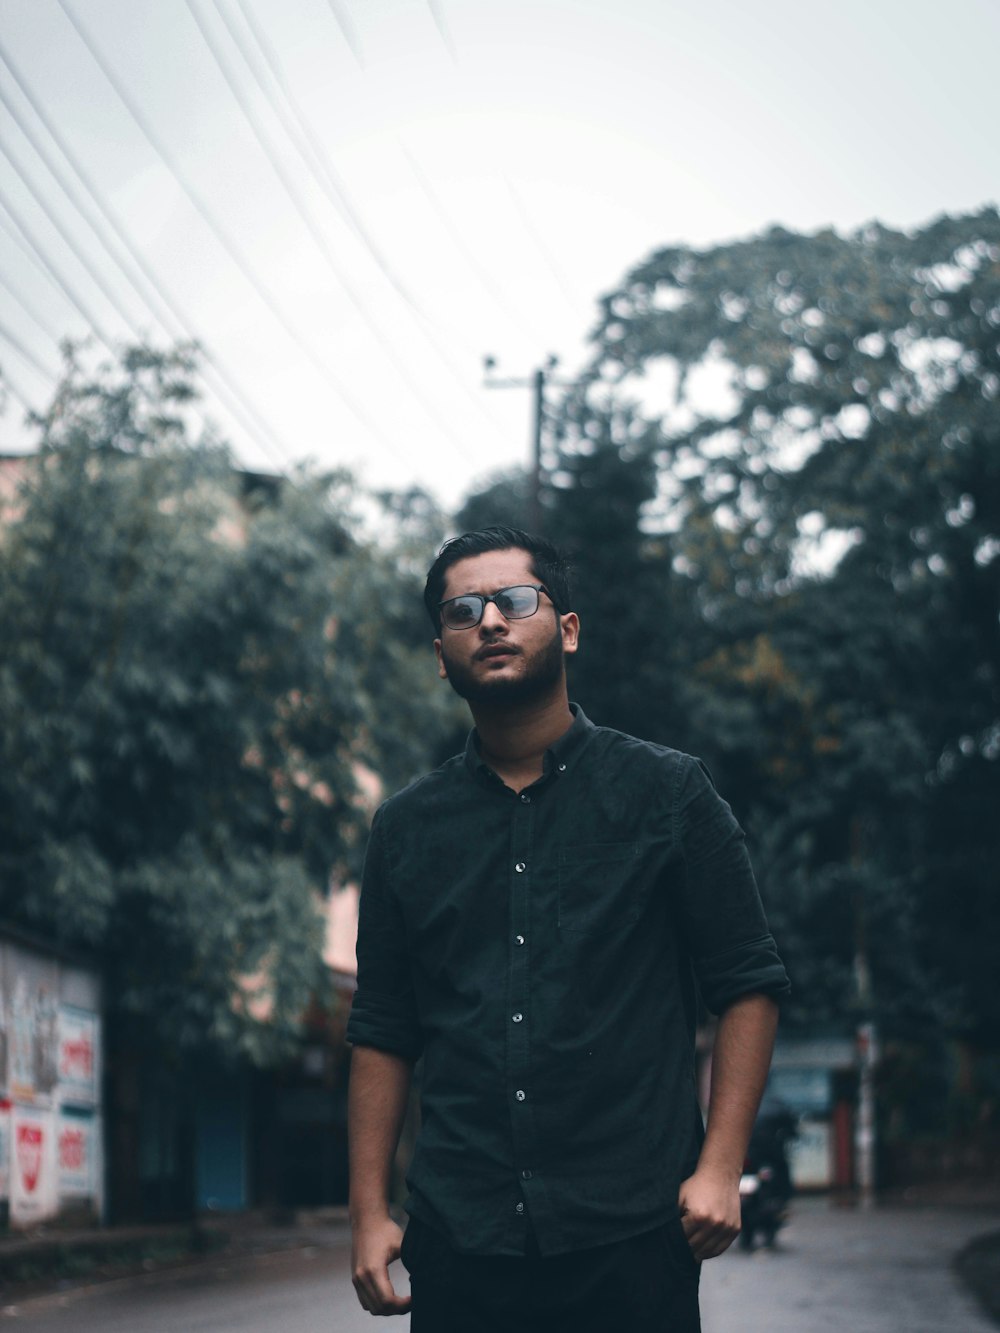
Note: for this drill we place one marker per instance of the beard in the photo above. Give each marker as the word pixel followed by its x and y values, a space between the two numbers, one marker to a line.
pixel 542 674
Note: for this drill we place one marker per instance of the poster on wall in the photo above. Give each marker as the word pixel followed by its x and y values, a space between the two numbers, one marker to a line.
pixel 33 1166
pixel 4 1150
pixel 76 1156
pixel 30 990
pixel 3 1021
pixel 78 1056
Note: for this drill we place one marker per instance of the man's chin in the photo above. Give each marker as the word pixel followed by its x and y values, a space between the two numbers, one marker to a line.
pixel 498 690
pixel 532 680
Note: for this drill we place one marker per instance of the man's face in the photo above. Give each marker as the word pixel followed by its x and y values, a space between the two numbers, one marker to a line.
pixel 503 662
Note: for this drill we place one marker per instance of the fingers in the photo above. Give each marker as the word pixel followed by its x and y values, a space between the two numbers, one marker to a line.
pixel 707 1237
pixel 377 1294
pixel 376 1246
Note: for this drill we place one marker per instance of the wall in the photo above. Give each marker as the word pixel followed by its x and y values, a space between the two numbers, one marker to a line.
pixel 51 1150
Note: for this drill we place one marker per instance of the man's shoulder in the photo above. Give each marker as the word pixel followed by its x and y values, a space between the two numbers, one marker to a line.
pixel 607 743
pixel 426 789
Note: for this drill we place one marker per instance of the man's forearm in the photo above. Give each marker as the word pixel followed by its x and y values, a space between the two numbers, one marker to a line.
pixel 377 1100
pixel 741 1058
pixel 709 1200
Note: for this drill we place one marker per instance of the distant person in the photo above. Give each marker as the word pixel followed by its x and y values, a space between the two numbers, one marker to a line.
pixel 775 1128
pixel 535 915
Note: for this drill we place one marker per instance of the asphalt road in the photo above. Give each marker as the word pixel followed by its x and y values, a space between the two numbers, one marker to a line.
pixel 887 1271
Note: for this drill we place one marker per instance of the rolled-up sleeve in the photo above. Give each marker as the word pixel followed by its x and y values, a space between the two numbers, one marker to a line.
pixel 732 950
pixel 384 1012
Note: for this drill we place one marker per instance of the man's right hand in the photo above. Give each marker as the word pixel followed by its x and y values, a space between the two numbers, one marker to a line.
pixel 375 1245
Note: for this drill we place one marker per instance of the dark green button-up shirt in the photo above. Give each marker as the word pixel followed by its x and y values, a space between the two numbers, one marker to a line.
pixel 542 951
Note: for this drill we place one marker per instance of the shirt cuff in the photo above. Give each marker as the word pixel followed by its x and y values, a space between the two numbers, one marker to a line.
pixel 375 1021
pixel 750 968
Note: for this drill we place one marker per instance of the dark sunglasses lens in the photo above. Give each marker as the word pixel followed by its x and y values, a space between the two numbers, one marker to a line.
pixel 462 613
pixel 516 603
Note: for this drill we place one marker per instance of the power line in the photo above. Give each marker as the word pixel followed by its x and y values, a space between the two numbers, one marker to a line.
pixel 17 394
pixel 25 353
pixel 458 240
pixel 75 249
pixel 96 277
pixel 540 245
pixel 228 243
pixel 61 282
pixel 444 32
pixel 15 295
pixel 330 180
pixel 440 23
pixel 33 256
pixel 253 421
pixel 346 25
pixel 321 168
pixel 300 206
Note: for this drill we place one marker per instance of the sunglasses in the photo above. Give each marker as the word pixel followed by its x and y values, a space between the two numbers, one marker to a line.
pixel 515 603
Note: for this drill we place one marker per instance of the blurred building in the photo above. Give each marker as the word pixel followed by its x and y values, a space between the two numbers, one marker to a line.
pixel 137 1136
pixel 814 1077
pixel 217 1135
pixel 51 1105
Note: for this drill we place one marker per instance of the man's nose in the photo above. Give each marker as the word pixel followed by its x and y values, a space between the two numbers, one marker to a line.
pixel 492 619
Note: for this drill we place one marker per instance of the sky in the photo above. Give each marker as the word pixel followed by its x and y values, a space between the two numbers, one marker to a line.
pixel 349 203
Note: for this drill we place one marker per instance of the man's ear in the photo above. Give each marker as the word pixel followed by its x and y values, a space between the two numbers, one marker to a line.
pixel 570 625
pixel 437 652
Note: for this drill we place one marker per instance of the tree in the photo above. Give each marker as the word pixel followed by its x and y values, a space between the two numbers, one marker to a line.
pixel 837 504
pixel 185 723
pixel 815 417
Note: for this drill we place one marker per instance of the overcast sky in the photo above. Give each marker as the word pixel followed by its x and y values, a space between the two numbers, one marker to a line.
pixel 349 202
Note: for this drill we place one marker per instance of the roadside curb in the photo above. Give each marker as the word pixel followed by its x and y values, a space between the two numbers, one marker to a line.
pixel 127 1257
pixel 977 1266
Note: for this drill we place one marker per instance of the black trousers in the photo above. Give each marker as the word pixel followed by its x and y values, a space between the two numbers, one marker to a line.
pixel 646 1284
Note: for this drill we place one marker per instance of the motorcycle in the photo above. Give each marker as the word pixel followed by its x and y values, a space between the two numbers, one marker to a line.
pixel 766 1183
pixel 763 1205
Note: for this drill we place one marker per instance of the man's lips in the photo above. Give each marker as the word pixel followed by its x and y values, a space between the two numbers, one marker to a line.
pixel 496 650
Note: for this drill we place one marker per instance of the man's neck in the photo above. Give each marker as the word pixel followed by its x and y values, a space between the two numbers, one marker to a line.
pixel 513 741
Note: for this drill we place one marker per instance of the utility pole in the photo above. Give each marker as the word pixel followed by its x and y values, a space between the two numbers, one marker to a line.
pixel 536 382
pixel 867 1035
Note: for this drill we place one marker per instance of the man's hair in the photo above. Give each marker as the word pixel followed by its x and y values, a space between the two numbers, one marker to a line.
pixel 547 564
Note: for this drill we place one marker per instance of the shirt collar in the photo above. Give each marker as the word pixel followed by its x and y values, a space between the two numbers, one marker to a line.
pixel 558 756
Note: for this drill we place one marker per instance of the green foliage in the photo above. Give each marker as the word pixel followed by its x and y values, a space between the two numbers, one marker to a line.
pixel 793 562
pixel 185 709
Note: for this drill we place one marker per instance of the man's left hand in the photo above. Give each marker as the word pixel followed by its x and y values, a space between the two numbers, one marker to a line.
pixel 710 1212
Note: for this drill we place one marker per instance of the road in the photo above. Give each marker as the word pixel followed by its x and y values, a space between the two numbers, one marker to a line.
pixel 887 1271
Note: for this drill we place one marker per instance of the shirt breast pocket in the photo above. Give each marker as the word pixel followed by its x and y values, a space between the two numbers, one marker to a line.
pixel 600 885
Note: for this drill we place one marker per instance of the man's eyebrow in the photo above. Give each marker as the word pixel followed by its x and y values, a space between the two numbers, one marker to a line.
pixel 504 587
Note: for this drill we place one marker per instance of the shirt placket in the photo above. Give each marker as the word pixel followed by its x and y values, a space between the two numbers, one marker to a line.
pixel 528 1182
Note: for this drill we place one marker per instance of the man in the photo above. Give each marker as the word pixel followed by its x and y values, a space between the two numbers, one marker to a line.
pixel 535 916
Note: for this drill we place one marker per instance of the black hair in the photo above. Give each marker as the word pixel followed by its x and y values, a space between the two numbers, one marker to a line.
pixel 548 564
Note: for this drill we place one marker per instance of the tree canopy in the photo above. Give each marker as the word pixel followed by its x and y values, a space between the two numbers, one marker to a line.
pixel 195 675
pixel 780 480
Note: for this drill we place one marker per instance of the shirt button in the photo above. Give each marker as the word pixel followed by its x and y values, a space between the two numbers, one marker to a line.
pixel 525 1175
pixel 562 768
pixel 520 1094
pixel 520 867
pixel 525 798
pixel 518 939
pixel 519 1208
pixel 516 1018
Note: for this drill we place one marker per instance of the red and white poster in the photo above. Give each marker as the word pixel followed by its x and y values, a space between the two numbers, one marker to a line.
pixel 77 1156
pixel 33 1166
pixel 78 1056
